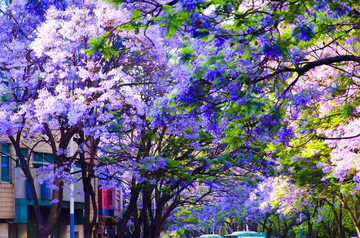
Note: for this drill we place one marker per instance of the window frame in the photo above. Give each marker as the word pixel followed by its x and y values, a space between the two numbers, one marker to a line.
pixel 36 163
pixel 5 155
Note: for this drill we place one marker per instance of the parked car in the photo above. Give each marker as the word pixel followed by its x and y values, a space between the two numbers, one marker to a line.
pixel 210 236
pixel 240 234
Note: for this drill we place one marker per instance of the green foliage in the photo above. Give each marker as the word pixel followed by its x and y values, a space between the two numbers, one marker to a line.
pixel 180 233
pixel 247 52
pixel 174 20
pixel 347 109
pixel 115 3
pixel 101 45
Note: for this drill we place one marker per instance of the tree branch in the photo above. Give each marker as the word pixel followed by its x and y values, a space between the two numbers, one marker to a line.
pixel 310 65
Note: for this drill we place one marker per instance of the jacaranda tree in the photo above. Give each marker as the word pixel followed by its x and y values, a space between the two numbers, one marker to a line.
pixel 261 72
pixel 169 87
pixel 62 82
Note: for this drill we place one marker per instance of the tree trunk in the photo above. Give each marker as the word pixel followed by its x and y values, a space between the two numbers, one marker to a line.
pixel 161 216
pixel 140 222
pixel 44 230
pixel 55 210
pixel 90 201
pixel 337 217
pixel 134 194
pixel 352 211
pixel 310 228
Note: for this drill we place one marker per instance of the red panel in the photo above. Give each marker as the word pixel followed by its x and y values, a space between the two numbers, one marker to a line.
pixel 103 198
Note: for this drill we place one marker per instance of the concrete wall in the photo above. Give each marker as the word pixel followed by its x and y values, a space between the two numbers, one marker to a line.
pixel 7 201
pixel 64 231
pixel 4 230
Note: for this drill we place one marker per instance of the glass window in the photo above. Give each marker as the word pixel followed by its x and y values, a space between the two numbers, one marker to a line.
pixel 5 163
pixel 77 164
pixel 41 159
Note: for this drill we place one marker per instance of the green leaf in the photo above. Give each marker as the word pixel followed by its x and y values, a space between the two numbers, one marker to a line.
pixel 91 51
pixel 347 109
pixel 92 41
pixel 247 52
pixel 167 8
pixel 113 52
pixel 135 14
pixel 128 27
pixel 106 54
pixel 170 31
pixel 154 18
pixel 182 15
pixel 103 36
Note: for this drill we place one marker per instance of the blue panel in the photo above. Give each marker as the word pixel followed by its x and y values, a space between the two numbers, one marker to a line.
pixel 44 191
pixel 103 212
pixel 20 210
pixel 5 168
pixel 27 189
pixel 111 213
pixel 48 158
pixel 80 216
pixel 77 164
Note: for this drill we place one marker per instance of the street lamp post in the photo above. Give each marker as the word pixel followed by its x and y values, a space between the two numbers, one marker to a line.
pixel 72 197
pixel 301 231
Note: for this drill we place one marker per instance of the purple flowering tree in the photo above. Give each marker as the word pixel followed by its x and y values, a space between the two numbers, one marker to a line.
pixel 60 80
pixel 218 85
pixel 157 156
pixel 263 72
pixel 19 88
pixel 271 206
pixel 228 208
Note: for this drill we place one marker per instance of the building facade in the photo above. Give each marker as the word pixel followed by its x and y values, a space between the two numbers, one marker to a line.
pixel 17 216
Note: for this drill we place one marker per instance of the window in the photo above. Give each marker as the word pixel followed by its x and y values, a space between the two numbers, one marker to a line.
pixel 110 199
pixel 5 163
pixel 41 159
pixel 118 200
pixel 78 164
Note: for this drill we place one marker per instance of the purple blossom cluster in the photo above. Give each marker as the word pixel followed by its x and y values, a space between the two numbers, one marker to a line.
pixel 303 31
pixel 39 7
pixel 189 5
pixel 269 47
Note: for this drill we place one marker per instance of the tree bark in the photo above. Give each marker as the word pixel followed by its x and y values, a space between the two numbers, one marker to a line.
pixel 134 194
pixel 90 201
pixel 353 212
pixel 44 230
pixel 337 217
